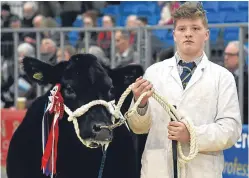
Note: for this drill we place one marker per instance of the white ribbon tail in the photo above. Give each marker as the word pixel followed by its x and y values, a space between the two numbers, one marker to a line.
pixel 43 131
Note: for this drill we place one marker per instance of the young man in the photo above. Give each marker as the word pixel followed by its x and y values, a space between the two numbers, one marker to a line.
pixel 201 90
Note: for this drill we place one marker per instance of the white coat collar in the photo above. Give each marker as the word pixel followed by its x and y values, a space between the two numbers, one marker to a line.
pixel 196 76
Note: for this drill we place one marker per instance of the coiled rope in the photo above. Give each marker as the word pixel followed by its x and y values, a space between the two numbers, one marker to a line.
pixel 182 159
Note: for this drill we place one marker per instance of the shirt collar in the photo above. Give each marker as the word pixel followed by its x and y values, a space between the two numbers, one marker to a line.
pixel 196 61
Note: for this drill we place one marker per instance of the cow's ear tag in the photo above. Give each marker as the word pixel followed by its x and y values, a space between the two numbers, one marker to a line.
pixel 38 76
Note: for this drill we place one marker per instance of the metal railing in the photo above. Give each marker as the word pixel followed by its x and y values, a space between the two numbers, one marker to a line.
pixel 141 31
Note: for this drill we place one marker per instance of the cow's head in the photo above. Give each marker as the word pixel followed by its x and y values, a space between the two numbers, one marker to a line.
pixel 82 79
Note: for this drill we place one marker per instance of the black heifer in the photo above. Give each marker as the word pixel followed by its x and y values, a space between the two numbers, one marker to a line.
pixel 122 78
pixel 82 80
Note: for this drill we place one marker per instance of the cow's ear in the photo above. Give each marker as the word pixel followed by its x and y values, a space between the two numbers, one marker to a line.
pixel 121 79
pixel 41 72
pixel 124 76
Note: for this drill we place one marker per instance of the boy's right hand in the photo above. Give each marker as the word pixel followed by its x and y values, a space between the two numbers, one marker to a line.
pixel 139 87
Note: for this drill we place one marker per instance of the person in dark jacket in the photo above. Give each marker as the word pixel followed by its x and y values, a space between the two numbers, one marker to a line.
pixel 231 61
pixel 104 38
pixel 89 20
pixel 5 15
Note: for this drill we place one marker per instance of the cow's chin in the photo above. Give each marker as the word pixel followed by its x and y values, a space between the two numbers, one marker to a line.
pixel 99 137
pixel 92 143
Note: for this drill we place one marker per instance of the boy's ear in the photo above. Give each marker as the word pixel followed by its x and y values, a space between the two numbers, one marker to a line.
pixel 41 72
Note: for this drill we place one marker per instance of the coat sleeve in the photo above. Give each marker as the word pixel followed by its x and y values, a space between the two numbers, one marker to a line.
pixel 140 124
pixel 227 128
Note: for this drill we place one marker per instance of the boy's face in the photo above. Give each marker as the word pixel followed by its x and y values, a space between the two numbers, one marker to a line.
pixel 190 35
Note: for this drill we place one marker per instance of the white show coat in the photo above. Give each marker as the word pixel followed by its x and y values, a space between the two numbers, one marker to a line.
pixel 210 100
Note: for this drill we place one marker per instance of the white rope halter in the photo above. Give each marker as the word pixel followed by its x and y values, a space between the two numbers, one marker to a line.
pixel 72 116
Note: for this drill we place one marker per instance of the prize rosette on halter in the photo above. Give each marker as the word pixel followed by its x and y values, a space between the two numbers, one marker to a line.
pixel 50 137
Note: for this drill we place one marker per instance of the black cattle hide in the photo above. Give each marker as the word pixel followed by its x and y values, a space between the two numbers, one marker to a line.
pixel 74 159
pixel 122 78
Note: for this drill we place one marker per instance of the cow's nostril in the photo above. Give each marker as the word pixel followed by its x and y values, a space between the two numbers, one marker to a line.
pixel 96 128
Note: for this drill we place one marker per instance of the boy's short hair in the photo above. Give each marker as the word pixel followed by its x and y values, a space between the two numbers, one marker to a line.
pixel 190 10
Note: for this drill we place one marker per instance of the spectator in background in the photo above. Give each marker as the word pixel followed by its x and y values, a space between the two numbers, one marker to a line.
pixel 92 14
pixel 48 51
pixel 155 44
pixel 125 53
pixel 29 13
pixel 7 40
pixel 15 22
pixel 30 37
pixel 104 38
pixel 5 15
pixel 89 20
pixel 68 52
pixel 25 49
pixel 37 21
pixel 168 8
pixel 131 22
pixel 231 61
pixel 25 87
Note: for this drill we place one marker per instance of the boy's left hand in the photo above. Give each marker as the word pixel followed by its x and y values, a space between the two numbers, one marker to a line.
pixel 178 131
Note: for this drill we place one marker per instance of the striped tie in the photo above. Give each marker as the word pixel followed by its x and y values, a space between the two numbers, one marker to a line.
pixel 186 72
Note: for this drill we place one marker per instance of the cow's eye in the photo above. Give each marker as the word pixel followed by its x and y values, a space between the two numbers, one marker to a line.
pixel 111 92
pixel 70 89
